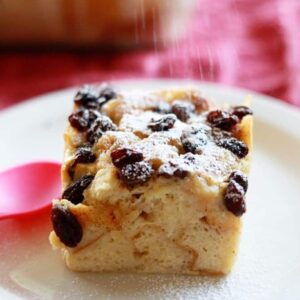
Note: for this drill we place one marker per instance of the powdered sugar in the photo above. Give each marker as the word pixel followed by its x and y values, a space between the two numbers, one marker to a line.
pixel 194 135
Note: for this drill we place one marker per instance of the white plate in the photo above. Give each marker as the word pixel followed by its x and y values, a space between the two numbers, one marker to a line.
pixel 268 265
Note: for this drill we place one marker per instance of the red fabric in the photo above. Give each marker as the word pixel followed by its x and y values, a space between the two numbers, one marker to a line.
pixel 248 43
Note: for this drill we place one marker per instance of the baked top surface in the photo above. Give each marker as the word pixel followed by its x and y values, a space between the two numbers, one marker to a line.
pixel 139 158
pixel 171 130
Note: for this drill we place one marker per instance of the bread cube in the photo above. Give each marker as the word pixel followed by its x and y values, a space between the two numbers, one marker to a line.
pixel 152 182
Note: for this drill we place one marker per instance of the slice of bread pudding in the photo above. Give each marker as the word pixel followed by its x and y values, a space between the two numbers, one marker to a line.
pixel 152 182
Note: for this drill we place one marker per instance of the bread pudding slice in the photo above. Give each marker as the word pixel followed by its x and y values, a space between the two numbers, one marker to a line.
pixel 152 182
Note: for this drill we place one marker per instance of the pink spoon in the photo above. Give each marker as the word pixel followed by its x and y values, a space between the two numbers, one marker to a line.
pixel 28 188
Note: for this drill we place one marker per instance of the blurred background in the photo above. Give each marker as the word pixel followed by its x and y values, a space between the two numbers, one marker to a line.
pixel 51 44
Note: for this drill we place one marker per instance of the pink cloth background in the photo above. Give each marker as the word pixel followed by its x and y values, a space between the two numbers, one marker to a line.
pixel 253 44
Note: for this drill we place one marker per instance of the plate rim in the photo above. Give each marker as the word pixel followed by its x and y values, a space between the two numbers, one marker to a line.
pixel 273 101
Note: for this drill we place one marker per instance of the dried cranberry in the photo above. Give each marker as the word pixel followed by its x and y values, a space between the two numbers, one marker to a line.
pixel 136 173
pixel 182 110
pixel 163 124
pixel 162 108
pixel 234 145
pixel 99 127
pixel 170 169
pixel 222 119
pixel 83 155
pixel 86 97
pixel 125 156
pixel 74 192
pixel 241 111
pixel 193 139
pixel 234 198
pixel 66 226
pixel 240 178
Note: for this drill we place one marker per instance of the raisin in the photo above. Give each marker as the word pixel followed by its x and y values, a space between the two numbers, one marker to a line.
pixel 239 178
pixel 222 119
pixel 217 133
pixel 241 111
pixel 83 118
pixel 234 145
pixel 182 110
pixel 66 226
pixel 170 169
pixel 189 158
pixel 91 115
pixel 78 122
pixel 125 156
pixel 99 127
pixel 83 155
pixel 86 97
pixel 74 192
pixel 193 139
pixel 201 104
pixel 163 124
pixel 107 93
pixel 162 108
pixel 136 173
pixel 234 199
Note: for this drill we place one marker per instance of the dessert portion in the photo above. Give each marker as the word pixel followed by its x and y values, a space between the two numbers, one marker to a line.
pixel 152 182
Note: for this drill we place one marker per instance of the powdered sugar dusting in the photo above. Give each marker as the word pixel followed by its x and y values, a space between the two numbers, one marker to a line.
pixel 138 172
pixel 211 162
